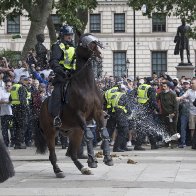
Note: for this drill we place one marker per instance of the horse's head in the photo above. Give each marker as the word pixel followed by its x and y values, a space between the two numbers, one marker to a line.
pixel 88 46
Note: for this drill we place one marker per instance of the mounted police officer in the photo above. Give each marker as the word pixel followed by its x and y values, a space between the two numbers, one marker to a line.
pixel 62 62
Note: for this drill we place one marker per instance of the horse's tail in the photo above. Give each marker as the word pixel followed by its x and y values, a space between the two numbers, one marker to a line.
pixel 40 142
pixel 6 166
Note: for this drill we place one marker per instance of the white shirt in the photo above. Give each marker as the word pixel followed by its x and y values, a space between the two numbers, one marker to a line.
pixel 46 72
pixel 20 72
pixel 5 109
pixel 191 95
pixel 2 85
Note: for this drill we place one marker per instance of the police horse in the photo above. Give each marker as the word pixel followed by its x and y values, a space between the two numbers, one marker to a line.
pixel 83 103
pixel 6 166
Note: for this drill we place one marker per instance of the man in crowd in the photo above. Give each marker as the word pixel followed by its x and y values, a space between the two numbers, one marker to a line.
pixel 191 95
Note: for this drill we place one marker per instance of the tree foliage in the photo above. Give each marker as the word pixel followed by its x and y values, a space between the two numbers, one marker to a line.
pixel 75 12
pixel 180 8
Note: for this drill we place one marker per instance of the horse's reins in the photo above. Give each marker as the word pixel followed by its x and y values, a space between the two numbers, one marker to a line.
pixel 85 65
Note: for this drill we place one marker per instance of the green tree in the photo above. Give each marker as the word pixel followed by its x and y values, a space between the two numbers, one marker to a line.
pixel 180 8
pixel 74 12
pixel 37 11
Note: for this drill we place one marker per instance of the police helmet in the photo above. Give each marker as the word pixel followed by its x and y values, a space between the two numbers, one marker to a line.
pixel 86 40
pixel 66 30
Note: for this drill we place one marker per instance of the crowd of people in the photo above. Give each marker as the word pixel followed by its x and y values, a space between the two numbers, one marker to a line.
pixel 164 101
pixel 169 99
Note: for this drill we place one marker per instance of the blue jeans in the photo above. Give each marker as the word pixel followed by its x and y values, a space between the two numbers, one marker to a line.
pixel 184 121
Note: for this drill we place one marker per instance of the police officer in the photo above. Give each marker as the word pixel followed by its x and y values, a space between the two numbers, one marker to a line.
pixel 18 98
pixel 111 122
pixel 119 102
pixel 146 96
pixel 62 62
pixel 26 82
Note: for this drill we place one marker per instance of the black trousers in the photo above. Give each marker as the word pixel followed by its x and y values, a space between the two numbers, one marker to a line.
pixel 6 123
pixel 55 100
pixel 19 122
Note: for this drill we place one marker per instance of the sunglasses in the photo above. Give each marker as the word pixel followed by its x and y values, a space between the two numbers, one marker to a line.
pixel 8 85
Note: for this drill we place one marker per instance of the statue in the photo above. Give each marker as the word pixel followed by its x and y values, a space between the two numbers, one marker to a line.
pixel 182 42
pixel 41 51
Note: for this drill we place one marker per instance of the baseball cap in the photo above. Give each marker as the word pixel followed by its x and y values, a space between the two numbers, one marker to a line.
pixel 186 81
pixel 130 78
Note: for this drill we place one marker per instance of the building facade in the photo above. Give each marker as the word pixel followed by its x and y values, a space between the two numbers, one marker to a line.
pixel 113 23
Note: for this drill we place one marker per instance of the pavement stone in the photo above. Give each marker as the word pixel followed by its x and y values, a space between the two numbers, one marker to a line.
pixel 162 172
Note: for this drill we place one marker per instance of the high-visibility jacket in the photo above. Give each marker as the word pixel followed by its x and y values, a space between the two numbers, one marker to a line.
pixel 14 94
pixel 108 96
pixel 115 101
pixel 142 93
pixel 68 62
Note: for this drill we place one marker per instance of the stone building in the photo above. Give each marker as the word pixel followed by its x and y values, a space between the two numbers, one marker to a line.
pixel 113 23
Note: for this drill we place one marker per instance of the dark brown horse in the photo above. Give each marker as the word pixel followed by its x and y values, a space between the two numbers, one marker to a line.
pixel 83 103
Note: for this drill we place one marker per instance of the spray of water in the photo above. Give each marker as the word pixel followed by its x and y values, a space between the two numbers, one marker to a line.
pixel 146 123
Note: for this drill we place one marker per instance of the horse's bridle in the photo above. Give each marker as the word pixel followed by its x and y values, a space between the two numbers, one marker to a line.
pixel 92 57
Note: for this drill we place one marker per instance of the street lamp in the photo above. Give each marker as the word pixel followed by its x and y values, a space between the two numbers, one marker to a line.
pixel 134 46
pixel 127 65
pixel 143 8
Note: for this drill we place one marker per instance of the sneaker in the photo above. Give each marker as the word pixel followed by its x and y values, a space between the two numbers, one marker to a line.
pixel 182 146
pixel 129 144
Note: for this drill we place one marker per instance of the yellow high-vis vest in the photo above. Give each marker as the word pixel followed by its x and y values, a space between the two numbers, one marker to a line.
pixel 14 94
pixel 115 100
pixel 68 61
pixel 108 96
pixel 142 93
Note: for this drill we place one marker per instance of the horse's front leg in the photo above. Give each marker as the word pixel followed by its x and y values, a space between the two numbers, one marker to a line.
pixel 53 158
pixel 74 145
pixel 99 118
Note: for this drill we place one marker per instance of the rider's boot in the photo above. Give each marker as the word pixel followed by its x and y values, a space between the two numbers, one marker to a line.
pixel 57 122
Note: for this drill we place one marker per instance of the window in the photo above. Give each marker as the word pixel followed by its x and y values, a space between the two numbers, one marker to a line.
pixel 56 21
pixel 158 22
pixel 119 23
pixel 95 23
pixel 119 63
pixel 159 62
pixel 13 25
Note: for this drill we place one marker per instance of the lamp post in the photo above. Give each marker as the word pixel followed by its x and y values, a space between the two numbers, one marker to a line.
pixel 134 45
pixel 127 66
pixel 143 8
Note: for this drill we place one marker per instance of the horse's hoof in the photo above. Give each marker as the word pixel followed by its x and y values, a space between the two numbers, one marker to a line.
pixel 108 161
pixel 86 171
pixel 60 175
pixel 92 164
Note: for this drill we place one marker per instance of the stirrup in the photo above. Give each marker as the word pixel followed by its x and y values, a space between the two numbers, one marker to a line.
pixel 57 122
